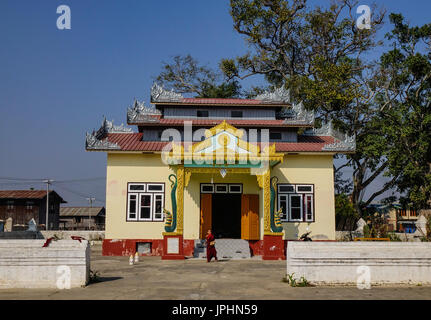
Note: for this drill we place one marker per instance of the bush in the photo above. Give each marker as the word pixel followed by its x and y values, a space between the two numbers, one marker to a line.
pixel 393 236
pixel 302 282
pixel 367 232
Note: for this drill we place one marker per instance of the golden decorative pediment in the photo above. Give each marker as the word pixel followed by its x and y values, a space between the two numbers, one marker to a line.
pixel 224 143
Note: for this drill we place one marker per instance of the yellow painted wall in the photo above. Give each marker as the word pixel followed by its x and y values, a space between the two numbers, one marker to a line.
pixel 317 170
pixel 123 168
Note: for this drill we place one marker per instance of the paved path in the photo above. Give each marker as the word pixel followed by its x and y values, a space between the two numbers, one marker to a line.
pixel 153 278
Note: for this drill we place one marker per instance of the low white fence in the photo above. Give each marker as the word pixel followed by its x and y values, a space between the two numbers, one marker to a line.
pixel 358 262
pixel 66 234
pixel 62 264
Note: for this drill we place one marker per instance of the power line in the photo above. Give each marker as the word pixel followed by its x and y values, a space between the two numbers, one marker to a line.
pixel 80 180
pixel 21 179
pixel 58 181
pixel 77 193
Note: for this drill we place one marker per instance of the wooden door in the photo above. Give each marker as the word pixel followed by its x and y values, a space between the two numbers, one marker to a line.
pixel 206 214
pixel 250 217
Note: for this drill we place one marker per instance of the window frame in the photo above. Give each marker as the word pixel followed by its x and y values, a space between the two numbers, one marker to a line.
pixel 136 206
pixel 304 185
pixel 238 112
pixel 201 116
pixel 234 185
pixel 228 188
pixel 301 207
pixel 162 206
pixel 140 206
pixel 285 215
pixel 136 184
pixel 305 196
pixel 147 187
pixel 221 184
pixel 207 185
pixel 10 205
pixel 286 185
pixel 139 193
pixel 276 132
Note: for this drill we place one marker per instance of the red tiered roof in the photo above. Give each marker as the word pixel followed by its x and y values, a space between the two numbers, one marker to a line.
pixel 133 142
pixel 223 101
pixel 213 122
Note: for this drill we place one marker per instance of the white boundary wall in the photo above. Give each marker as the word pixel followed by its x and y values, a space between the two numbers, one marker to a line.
pixel 26 264
pixel 338 262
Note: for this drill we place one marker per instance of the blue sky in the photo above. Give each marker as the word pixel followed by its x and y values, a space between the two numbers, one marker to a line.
pixel 57 84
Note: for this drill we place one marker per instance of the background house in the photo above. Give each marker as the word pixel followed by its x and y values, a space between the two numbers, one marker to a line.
pixel 82 218
pixel 23 205
pixel 398 219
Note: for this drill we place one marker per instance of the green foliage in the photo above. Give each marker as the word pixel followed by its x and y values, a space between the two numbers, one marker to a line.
pixel 320 55
pixel 377 227
pixel 302 282
pixel 94 276
pixel 406 78
pixel 367 231
pixel 393 236
pixel 185 75
pixel 345 214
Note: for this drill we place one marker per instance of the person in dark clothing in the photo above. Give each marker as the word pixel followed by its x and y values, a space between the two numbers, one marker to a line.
pixel 211 250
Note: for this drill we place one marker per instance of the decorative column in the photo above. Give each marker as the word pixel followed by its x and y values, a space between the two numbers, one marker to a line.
pixel 273 243
pixel 173 245
pixel 180 199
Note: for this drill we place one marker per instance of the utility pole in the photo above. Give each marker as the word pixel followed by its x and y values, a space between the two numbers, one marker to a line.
pixel 90 200
pixel 48 182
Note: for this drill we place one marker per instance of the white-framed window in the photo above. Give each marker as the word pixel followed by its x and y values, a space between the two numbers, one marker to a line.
pixel 158 206
pixel 151 187
pixel 283 204
pixel 29 205
pixel 235 188
pixel 302 188
pixel 221 188
pixel 207 188
pixel 145 201
pixel 286 188
pixel 295 207
pixel 296 202
pixel 136 187
pixel 145 205
pixel 308 207
pixel 132 210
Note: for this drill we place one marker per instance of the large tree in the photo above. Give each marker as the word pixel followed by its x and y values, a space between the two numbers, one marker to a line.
pixel 405 76
pixel 321 56
pixel 184 74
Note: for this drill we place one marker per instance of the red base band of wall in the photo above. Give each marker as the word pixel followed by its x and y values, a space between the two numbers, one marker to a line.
pixel 179 255
pixel 127 247
pixel 274 248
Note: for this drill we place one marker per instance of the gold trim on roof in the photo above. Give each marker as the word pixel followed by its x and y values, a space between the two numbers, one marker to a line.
pixel 223 126
pixel 225 154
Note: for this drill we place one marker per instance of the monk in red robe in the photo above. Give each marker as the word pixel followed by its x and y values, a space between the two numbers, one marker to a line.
pixel 211 250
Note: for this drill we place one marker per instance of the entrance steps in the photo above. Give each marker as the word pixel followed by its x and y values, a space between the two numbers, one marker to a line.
pixel 234 249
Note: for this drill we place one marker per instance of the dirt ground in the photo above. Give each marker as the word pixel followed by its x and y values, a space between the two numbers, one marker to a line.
pixel 194 279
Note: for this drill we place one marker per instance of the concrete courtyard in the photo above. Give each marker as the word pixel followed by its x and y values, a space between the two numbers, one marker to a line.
pixel 194 279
